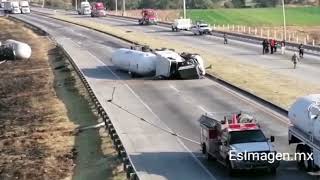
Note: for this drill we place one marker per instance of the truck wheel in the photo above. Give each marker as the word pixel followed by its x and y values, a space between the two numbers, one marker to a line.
pixel 308 163
pixel 200 33
pixel 203 149
pixel 231 171
pixel 173 29
pixel 273 170
pixel 299 150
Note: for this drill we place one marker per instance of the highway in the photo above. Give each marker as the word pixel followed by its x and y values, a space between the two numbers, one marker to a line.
pixel 175 105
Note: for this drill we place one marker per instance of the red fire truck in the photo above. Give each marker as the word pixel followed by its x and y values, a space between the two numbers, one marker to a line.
pixel 149 16
pixel 226 137
pixel 98 9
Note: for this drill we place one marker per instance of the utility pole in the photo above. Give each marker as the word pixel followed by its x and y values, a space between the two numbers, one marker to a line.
pixel 76 4
pixel 116 8
pixel 123 7
pixel 42 3
pixel 184 9
pixel 284 22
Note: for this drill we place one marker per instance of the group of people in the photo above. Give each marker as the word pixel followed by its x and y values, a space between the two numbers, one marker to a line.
pixel 272 45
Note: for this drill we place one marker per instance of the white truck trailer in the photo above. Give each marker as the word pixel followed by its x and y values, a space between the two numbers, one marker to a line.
pixel 304 115
pixel 85 8
pixel 2 3
pixel 181 24
pixel 12 7
pixel 160 63
pixel 24 7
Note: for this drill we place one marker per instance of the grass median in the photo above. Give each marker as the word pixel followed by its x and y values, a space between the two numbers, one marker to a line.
pixel 281 90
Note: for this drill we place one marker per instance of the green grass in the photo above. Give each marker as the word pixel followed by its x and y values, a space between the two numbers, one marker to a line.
pixel 301 16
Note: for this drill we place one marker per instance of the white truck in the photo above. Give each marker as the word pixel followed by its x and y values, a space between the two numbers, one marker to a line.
pixel 226 137
pixel 160 63
pixel 12 7
pixel 85 8
pixel 24 7
pixel 304 115
pixel 201 28
pixel 2 3
pixel 181 24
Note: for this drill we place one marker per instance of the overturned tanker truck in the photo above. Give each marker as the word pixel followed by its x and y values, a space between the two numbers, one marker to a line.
pixel 14 50
pixel 159 63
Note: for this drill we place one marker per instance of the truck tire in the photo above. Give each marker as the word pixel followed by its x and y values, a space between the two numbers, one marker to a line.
pixel 231 171
pixel 173 29
pixel 200 33
pixel 308 164
pixel 203 148
pixel 304 163
pixel 273 171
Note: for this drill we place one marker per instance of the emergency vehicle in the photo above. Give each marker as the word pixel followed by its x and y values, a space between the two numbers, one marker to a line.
pixel 149 16
pixel 232 134
pixel 98 9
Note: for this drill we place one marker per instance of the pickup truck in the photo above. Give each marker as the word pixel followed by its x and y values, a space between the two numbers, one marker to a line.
pixel 200 29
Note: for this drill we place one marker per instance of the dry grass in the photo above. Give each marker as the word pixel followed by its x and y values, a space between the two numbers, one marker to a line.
pixel 257 80
pixel 36 137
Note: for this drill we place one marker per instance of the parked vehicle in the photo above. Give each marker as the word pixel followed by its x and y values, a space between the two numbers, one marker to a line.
pixel 85 8
pixel 226 134
pixel 24 7
pixel 2 3
pixel 149 16
pixel 12 7
pixel 304 114
pixel 201 28
pixel 98 9
pixel 160 63
pixel 14 50
pixel 181 24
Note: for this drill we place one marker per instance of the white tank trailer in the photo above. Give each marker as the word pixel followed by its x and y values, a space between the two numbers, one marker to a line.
pixel 14 50
pixel 304 115
pixel 161 63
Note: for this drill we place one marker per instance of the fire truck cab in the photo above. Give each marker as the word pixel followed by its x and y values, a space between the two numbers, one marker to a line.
pixel 227 136
pixel 149 16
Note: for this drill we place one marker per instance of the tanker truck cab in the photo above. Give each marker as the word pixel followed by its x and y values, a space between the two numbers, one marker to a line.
pixel 85 8
pixel 24 6
pixel 15 7
pixel 228 137
pixel 304 116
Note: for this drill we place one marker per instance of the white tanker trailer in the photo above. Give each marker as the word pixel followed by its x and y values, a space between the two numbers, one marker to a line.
pixel 14 50
pixel 161 63
pixel 304 115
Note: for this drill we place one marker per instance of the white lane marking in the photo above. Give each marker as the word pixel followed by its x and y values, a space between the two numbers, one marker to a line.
pixel 255 104
pixel 202 108
pixel 174 88
pixel 157 117
pixel 188 99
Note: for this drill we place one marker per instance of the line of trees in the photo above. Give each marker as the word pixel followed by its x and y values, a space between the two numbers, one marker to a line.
pixel 203 4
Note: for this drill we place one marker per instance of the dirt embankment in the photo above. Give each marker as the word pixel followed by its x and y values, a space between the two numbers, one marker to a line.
pixel 39 115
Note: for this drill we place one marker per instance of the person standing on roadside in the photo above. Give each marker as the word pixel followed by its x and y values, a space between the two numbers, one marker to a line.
pixel 225 40
pixel 295 60
pixel 264 44
pixel 283 47
pixel 301 50
pixel 272 44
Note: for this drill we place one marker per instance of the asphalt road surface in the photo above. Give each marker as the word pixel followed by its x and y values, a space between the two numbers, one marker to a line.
pixel 179 104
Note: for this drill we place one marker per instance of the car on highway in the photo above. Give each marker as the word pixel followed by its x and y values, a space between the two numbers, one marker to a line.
pixel 201 28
